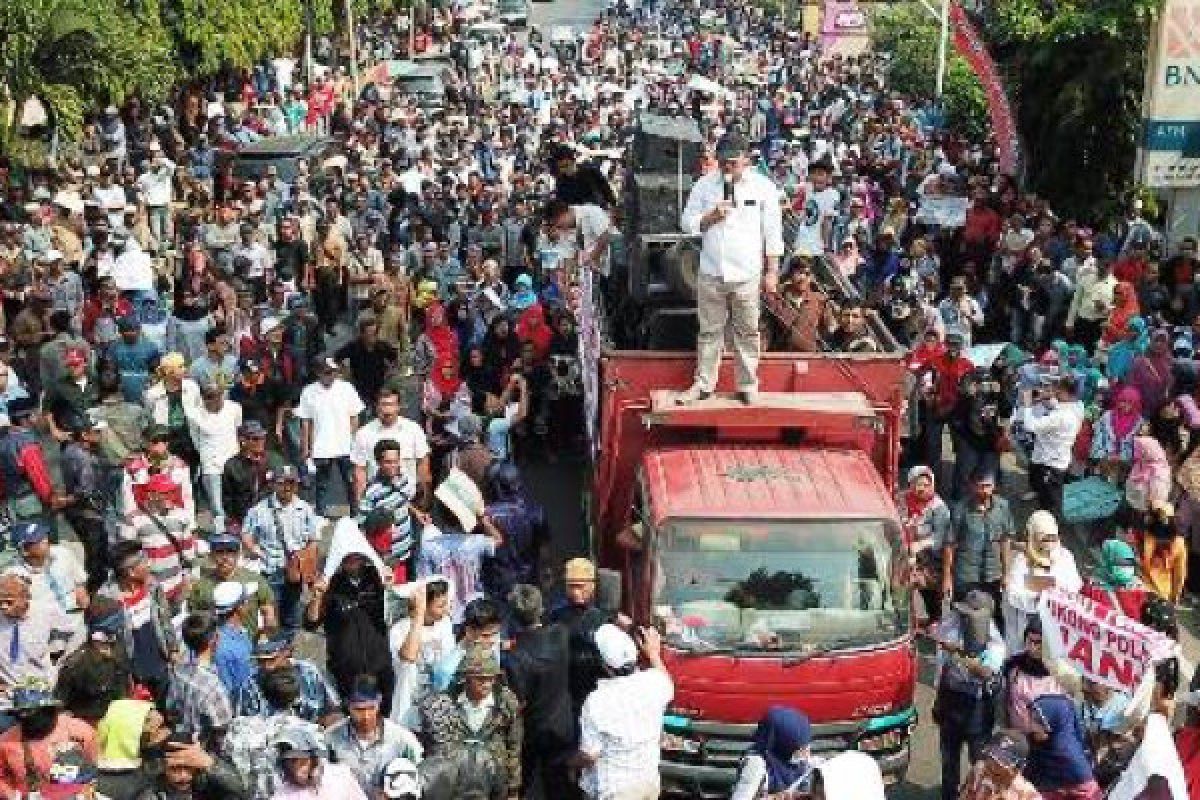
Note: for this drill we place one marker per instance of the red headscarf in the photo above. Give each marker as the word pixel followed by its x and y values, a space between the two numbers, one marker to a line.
pixel 443 337
pixel 447 385
pixel 1125 308
pixel 532 328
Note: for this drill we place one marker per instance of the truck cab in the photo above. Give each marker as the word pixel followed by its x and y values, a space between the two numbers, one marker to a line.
pixel 764 543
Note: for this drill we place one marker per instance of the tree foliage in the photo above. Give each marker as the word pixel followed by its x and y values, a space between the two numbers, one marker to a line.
pixel 1078 66
pixel 74 54
pixel 910 35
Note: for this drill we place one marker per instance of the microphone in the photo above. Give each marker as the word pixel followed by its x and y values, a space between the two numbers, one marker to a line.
pixel 729 189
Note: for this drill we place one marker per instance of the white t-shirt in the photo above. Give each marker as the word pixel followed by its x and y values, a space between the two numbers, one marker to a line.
pixel 414 681
pixel 283 72
pixel 414 445
pixel 818 206
pixel 215 435
pixel 329 410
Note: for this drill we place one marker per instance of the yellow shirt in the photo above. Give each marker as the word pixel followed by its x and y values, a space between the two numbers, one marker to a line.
pixel 1165 568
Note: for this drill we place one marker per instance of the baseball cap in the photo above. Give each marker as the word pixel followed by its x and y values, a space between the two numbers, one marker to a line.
pixel 228 595
pixel 578 570
pixel 285 473
pixel 28 533
pixel 480 661
pixel 271 644
pixel 615 646
pixel 224 542
pixel 252 429
pixel 1008 748
pixel 157 433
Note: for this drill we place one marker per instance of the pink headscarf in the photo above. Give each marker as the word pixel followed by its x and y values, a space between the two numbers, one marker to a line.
pixel 1150 473
pixel 1123 423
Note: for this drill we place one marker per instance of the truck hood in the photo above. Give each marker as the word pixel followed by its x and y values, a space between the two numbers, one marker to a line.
pixel 839 687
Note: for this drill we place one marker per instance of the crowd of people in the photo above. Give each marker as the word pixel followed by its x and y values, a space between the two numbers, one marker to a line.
pixel 179 394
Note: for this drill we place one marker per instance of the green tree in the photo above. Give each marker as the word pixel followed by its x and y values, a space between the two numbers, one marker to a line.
pixel 1078 66
pixel 75 55
pixel 910 35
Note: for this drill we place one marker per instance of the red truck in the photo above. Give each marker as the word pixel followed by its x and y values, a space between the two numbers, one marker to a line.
pixel 765 543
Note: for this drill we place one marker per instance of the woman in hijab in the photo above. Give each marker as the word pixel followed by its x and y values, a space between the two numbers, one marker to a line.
pixel 1131 345
pixel 481 379
pixel 532 329
pixel 438 343
pixel 1151 373
pixel 778 765
pixel 1115 581
pixel 1125 308
pixel 348 603
pixel 501 348
pixel 852 775
pixel 1113 433
pixel 1058 765
pixel 926 520
pixel 1041 564
pixel 1149 483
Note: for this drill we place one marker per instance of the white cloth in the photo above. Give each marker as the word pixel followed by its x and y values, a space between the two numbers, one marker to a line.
pixel 348 540
pixel 1020 602
pixel 1054 431
pixel 158 402
pixel 414 445
pixel 733 249
pixel 215 435
pixel 330 411
pixel 853 775
pixel 133 270
pixel 593 222
pixel 621 727
pixel 1155 756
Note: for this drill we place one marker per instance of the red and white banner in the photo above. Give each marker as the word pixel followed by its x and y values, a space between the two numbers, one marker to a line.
pixel 1103 645
pixel 970 46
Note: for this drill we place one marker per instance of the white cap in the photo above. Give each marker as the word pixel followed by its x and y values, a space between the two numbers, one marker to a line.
pixel 51 255
pixel 269 324
pixel 615 646
pixel 227 595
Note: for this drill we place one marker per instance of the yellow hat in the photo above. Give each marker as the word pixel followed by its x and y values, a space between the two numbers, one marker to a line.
pixel 579 569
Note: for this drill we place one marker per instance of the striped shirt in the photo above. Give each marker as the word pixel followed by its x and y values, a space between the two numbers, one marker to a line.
pixel 392 495
pixel 169 545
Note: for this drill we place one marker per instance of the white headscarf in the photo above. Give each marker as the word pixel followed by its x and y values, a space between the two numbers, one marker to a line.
pixel 852 775
pixel 348 540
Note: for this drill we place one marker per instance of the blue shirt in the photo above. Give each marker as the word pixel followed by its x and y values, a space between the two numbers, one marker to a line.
pixel 234 657
pixel 316 699
pixel 133 362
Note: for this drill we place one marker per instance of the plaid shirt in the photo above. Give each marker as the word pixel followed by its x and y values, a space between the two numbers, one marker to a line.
pixel 317 696
pixel 300 526
pixel 197 698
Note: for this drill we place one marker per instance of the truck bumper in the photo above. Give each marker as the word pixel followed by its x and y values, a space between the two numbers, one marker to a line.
pixel 697 782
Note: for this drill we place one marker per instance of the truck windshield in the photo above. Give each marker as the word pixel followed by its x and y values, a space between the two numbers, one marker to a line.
pixel 805 586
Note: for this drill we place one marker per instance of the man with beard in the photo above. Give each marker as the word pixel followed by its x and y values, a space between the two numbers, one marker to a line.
pixel 27 750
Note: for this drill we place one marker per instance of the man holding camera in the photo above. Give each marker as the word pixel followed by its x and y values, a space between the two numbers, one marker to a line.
pixel 736 211
pixel 1053 418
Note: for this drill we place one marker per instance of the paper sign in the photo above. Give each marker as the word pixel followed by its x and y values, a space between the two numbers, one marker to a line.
pixel 1100 643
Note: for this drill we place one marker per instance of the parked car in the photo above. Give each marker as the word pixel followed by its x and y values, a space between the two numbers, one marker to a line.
pixel 250 162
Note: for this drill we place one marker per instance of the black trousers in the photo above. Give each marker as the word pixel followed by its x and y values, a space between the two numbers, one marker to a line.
pixel 1048 483
pixel 93 535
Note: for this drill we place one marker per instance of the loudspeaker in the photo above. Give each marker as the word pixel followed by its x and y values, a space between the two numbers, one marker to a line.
pixel 657 199
pixel 665 144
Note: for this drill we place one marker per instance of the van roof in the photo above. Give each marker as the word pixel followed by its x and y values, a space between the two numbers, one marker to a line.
pixel 763 483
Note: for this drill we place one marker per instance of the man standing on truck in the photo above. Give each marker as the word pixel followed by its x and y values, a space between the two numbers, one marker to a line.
pixel 737 212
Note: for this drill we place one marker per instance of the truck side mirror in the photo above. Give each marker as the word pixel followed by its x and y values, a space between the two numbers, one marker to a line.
pixel 608 589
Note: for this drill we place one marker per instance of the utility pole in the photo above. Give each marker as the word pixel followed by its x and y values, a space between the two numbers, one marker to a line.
pixel 308 53
pixel 353 46
pixel 943 40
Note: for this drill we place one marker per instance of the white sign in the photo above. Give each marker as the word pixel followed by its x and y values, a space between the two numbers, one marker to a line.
pixel 947 211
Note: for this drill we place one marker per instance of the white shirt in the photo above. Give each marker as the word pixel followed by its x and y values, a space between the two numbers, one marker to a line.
pixel 593 222
pixel 133 271
pixel 155 183
pixel 415 680
pixel 1054 431
pixel 818 207
pixel 329 410
pixel 414 445
pixel 215 435
pixel 733 250
pixel 283 72
pixel 621 727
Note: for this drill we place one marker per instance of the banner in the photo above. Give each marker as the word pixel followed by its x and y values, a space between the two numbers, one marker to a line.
pixel 1103 645
pixel 970 46
pixel 1171 137
pixel 843 27
pixel 948 211
pixel 589 355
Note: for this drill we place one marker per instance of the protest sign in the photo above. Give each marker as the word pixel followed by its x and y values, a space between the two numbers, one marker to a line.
pixel 947 211
pixel 1103 645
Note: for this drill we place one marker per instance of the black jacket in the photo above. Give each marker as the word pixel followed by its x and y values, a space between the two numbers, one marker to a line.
pixel 538 669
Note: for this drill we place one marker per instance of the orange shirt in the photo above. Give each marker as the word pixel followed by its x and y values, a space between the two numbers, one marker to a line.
pixel 68 732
